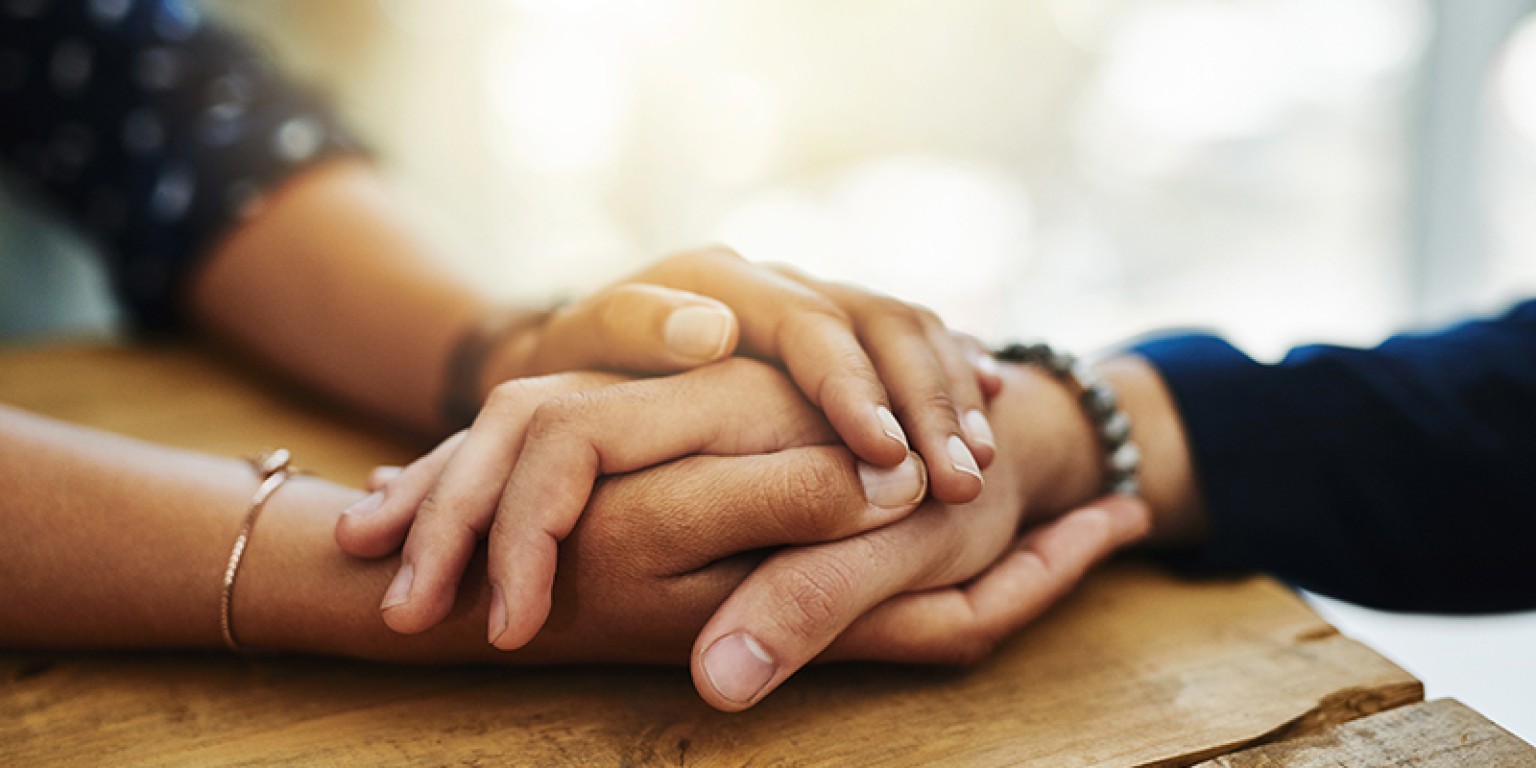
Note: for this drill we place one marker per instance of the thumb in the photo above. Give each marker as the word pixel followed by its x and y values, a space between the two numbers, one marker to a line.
pixel 637 328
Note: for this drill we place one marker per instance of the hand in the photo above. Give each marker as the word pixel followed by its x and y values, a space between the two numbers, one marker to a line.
pixel 654 554
pixel 847 602
pixel 890 594
pixel 523 472
pixel 873 364
pixel 659 550
pixel 542 497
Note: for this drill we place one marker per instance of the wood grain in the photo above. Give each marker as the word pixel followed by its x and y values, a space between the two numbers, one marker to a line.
pixel 1136 668
pixel 195 400
pixel 1437 734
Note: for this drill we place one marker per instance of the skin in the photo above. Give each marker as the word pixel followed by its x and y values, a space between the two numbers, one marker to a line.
pixel 330 282
pixel 305 283
pixel 646 589
pixel 536 431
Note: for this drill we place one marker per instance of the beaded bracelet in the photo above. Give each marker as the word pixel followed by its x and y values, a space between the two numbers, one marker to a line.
pixel 1121 456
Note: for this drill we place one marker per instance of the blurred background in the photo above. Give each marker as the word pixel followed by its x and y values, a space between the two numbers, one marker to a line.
pixel 1081 170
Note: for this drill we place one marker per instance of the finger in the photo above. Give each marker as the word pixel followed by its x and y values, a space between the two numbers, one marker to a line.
pixel 908 346
pixel 455 511
pixel 638 328
pixel 799 600
pixel 963 624
pixel 920 391
pixel 989 375
pixel 964 388
pixel 376 526
pixel 794 496
pixel 785 321
pixel 574 439
pixel 381 477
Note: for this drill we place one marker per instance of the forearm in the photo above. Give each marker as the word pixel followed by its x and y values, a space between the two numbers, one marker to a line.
pixel 331 283
pixel 115 543
pixel 110 542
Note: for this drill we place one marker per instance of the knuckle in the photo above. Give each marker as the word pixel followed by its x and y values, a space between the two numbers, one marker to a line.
pixel 556 417
pixel 507 395
pixel 814 596
pixel 936 400
pixel 814 309
pixel 441 522
pixel 500 533
pixel 613 306
pixel 430 507
pixel 785 412
pixel 785 270
pixel 853 370
pixel 793 422
pixel 963 389
pixel 614 316
pixel 812 490
pixel 1039 569
pixel 926 316
pixel 809 317
pixel 892 310
pixel 605 529
pixel 814 306
pixel 895 307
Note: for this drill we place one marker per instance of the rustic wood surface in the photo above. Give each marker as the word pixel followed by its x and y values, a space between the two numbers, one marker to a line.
pixel 1436 734
pixel 1136 668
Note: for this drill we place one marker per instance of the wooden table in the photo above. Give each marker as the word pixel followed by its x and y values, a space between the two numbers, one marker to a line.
pixel 1136 668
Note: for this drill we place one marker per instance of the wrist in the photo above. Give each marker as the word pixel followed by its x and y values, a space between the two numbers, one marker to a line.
pixel 1167 474
pixel 1048 440
pixel 298 592
pixel 509 356
pixel 495 347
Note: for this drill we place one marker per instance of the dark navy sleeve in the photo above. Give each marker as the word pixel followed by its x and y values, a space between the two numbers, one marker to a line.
pixel 1401 477
pixel 152 129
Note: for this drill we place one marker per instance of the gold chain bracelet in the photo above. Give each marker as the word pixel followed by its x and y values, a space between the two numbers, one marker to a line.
pixel 274 470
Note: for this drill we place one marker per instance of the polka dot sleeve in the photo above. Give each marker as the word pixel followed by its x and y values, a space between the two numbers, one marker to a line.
pixel 153 129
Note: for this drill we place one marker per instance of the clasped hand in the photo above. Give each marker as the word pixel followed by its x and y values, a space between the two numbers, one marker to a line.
pixel 720 509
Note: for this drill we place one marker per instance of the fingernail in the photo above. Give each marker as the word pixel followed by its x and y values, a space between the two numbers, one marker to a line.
pixel 987 365
pixel 399 589
pixel 382 476
pixel 365 506
pixel 980 430
pixel 960 456
pixel 698 332
pixel 738 667
pixel 498 622
pixel 891 426
pixel 897 486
